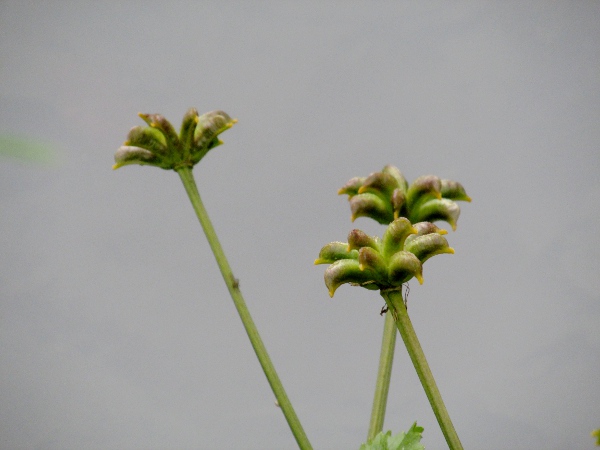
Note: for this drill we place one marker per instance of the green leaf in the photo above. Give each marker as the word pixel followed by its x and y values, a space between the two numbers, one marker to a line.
pixel 411 440
pixel 26 149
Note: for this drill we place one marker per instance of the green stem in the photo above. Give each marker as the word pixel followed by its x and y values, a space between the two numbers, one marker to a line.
pixel 396 306
pixel 382 387
pixel 187 178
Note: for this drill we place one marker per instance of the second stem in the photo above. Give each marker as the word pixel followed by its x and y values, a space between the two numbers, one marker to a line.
pixel 382 387
pixel 396 306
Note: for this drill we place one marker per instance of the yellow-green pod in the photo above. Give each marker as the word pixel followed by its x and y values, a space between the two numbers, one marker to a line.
pixel 426 246
pixel 371 205
pixel 335 251
pixel 345 271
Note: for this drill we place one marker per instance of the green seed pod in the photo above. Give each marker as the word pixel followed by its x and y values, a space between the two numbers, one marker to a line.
pixel 395 172
pixel 188 128
pixel 159 122
pixel 398 202
pixel 403 266
pixel 345 271
pixel 352 186
pixel 395 235
pixel 148 138
pixel 432 210
pixel 209 126
pixel 133 155
pixel 422 229
pixel 335 251
pixel 371 259
pixel 379 183
pixel 358 239
pixel 453 190
pixel 371 205
pixel 428 245
pixel 422 189
pixel 426 228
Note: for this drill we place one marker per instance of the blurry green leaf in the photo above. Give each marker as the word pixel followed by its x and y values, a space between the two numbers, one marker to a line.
pixel 26 149
pixel 411 440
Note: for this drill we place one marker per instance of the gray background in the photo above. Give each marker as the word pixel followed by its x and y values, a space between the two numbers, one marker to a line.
pixel 116 330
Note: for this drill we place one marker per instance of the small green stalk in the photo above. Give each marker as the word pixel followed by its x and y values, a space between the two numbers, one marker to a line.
pixel 395 303
pixel 187 178
pixel 382 387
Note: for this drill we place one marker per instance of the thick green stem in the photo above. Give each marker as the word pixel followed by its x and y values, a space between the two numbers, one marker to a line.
pixel 396 307
pixel 259 348
pixel 382 387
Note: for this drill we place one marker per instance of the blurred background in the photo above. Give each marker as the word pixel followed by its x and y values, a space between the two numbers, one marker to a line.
pixel 116 330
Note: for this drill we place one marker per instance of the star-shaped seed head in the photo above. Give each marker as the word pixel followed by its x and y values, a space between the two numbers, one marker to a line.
pixel 386 195
pixel 384 263
pixel 158 144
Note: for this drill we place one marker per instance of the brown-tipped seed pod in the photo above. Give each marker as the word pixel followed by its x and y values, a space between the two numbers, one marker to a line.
pixel 379 182
pixel 334 251
pixel 395 172
pixel 371 205
pixel 346 271
pixel 352 186
pixel 371 259
pixel 188 128
pixel 358 239
pixel 395 235
pixel 437 209
pixel 422 189
pixel 403 266
pixel 148 138
pixel 453 190
pixel 428 245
